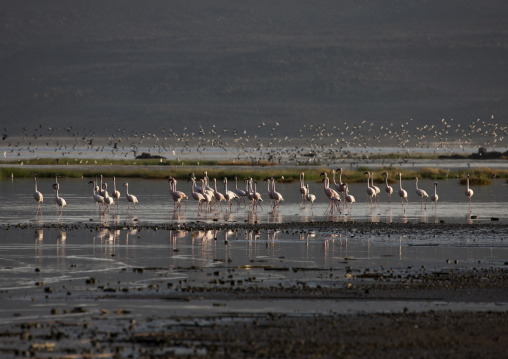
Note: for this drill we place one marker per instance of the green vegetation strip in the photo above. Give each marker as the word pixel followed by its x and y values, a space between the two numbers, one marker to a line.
pixel 479 176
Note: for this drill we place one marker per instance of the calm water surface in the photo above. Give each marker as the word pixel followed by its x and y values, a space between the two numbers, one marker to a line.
pixel 34 257
pixel 45 268
pixel 156 206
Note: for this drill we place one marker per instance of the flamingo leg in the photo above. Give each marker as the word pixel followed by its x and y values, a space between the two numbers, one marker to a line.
pixel 328 206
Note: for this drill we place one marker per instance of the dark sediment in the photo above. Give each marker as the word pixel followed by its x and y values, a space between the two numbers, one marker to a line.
pixel 324 226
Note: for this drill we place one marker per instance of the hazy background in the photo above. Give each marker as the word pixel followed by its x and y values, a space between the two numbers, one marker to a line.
pixel 149 65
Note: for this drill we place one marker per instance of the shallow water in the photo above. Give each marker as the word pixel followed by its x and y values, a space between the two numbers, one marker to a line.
pixel 149 264
pixel 156 206
pixel 35 257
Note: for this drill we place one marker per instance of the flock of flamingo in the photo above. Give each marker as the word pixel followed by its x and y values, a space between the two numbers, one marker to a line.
pixel 208 197
pixel 374 191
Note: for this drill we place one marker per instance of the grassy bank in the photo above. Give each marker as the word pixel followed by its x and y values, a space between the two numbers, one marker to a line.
pixel 480 176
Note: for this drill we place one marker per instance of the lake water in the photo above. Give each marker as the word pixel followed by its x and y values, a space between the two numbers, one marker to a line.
pixel 156 206
pixel 44 265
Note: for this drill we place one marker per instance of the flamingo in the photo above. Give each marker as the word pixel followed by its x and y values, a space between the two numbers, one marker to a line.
pixel 339 187
pixel 218 196
pixel 38 197
pixel 270 192
pixel 208 196
pixel 228 195
pixel 101 188
pixel 388 188
pixel 309 197
pixel 130 197
pixel 205 178
pixel 59 200
pixel 420 192
pixel 240 193
pixel 330 193
pixel 192 177
pixel 96 186
pixel 257 195
pixel 97 197
pixel 177 196
pixel 376 188
pixel 469 192
pixel 304 190
pixel 277 197
pixel 115 193
pixel 195 194
pixel 253 195
pixel 250 191
pixel 434 197
pixel 370 190
pixel 56 181
pixel 108 201
pixel 348 198
pixel 402 193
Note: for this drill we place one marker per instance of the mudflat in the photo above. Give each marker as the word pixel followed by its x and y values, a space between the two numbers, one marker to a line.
pixel 252 306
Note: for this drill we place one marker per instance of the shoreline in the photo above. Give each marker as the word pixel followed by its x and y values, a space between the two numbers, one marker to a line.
pixel 325 226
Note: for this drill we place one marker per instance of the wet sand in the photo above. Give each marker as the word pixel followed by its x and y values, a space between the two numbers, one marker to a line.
pixel 261 308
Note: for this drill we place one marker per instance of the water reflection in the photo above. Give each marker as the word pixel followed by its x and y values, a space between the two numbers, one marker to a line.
pixel 39 235
pixel 403 218
pixel 274 217
pixel 60 252
pixel 62 255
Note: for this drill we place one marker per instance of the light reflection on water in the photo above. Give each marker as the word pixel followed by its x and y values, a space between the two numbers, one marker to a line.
pixel 156 206
pixel 55 257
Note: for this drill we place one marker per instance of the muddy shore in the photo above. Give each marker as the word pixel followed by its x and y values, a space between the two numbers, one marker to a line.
pixel 453 313
pixel 497 228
